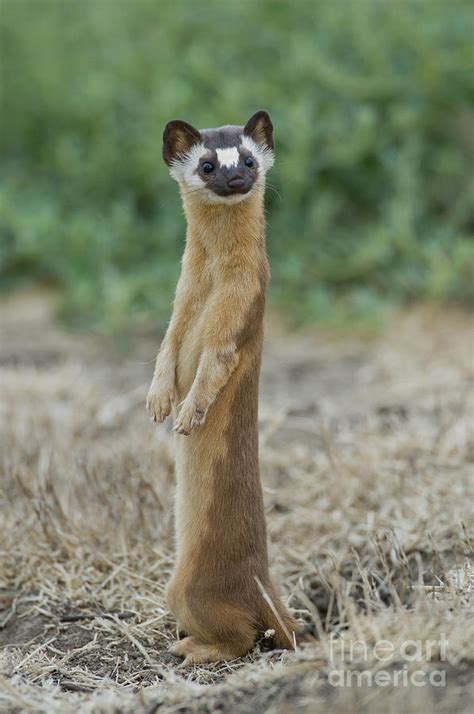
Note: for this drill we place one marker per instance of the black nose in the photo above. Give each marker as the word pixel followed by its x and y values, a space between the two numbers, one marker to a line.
pixel 236 183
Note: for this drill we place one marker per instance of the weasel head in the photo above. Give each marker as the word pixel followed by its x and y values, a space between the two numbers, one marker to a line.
pixel 224 165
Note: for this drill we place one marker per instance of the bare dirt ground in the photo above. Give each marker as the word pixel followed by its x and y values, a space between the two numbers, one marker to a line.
pixel 367 458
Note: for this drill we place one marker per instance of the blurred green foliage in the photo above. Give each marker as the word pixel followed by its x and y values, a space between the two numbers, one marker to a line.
pixel 371 200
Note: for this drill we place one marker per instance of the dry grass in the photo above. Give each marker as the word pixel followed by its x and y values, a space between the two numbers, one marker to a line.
pixel 367 464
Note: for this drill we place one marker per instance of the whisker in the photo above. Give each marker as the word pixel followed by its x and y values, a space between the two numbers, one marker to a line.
pixel 188 192
pixel 274 189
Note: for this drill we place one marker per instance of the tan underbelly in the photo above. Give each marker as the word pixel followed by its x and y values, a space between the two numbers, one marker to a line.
pixel 197 456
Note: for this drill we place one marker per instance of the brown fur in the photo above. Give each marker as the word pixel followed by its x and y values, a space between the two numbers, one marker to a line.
pixel 209 366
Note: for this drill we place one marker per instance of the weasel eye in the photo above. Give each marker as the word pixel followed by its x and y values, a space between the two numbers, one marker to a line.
pixel 249 162
pixel 207 167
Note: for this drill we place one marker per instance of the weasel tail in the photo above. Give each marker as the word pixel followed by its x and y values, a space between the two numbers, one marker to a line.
pixel 207 371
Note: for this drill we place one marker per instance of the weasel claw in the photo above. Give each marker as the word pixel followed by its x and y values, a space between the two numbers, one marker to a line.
pixel 189 417
pixel 159 403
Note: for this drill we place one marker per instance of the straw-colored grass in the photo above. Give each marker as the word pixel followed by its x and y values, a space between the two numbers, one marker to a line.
pixel 367 465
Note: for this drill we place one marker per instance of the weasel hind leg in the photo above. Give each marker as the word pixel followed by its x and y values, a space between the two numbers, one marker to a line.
pixel 197 651
pixel 216 630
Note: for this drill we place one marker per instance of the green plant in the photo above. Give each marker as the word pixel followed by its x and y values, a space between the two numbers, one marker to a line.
pixel 371 198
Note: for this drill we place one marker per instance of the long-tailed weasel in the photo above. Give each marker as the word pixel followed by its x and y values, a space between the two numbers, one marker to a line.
pixel 208 366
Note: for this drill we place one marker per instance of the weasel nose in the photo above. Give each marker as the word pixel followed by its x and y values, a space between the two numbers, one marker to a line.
pixel 236 182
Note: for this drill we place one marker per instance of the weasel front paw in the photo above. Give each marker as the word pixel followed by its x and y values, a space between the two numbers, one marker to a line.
pixel 159 402
pixel 190 415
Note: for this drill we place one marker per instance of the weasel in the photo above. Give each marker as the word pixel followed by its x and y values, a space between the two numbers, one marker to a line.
pixel 207 371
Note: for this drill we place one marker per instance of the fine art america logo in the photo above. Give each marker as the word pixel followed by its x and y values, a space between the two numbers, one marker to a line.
pixel 401 665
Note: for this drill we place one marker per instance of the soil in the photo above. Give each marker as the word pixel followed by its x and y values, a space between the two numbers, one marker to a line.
pixel 367 455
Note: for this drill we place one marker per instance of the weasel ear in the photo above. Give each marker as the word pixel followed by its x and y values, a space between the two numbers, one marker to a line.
pixel 178 138
pixel 260 128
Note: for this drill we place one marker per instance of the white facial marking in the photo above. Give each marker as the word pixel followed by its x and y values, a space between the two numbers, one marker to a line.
pixel 264 155
pixel 228 157
pixel 183 168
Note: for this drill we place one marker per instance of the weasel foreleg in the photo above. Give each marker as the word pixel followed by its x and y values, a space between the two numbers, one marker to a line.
pixel 215 367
